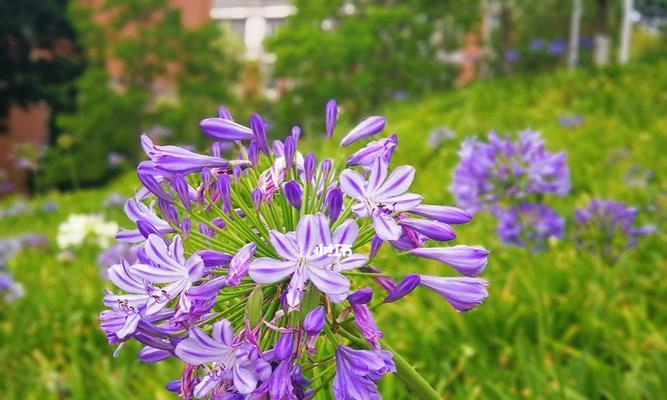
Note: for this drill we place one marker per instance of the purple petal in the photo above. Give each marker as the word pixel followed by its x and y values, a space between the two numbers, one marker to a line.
pixel 462 293
pixel 397 183
pixel 432 229
pixel 329 282
pixel 468 260
pixel 385 226
pixel 225 129
pixel 285 247
pixel 268 270
pixel 346 233
pixel 352 184
pixel 407 285
pixel 330 114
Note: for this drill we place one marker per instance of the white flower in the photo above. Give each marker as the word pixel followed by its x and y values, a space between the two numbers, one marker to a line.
pixel 80 228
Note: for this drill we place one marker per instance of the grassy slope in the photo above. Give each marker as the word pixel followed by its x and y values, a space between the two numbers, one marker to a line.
pixel 557 325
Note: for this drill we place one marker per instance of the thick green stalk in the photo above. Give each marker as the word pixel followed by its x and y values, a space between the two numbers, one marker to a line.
pixel 411 378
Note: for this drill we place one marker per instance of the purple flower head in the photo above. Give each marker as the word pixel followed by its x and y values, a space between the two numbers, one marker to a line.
pixel 309 166
pixel 467 260
pixel 289 150
pixel 557 47
pixel 225 129
pixel 258 127
pixel 296 133
pixel 237 364
pixel 304 261
pixel 357 371
pixel 369 127
pixel 463 294
pixel 381 195
pixel 529 225
pixel 607 227
pixel 383 148
pixel 333 202
pixel 293 193
pixel 502 170
pixel 314 321
pixel 330 115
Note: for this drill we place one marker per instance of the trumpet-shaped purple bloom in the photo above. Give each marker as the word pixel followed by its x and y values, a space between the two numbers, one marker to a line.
pixel 357 372
pixel 501 170
pixel 236 366
pixel 173 159
pixel 225 129
pixel 381 195
pixel 383 148
pixel 169 267
pixel 302 261
pixel 463 294
pixel 369 127
pixel 529 225
pixel 467 260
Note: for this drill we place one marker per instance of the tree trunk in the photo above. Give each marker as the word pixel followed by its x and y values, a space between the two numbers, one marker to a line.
pixel 626 32
pixel 575 23
pixel 602 33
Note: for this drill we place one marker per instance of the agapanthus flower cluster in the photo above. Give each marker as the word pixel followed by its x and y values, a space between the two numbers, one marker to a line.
pixel 511 180
pixel 257 270
pixel 607 227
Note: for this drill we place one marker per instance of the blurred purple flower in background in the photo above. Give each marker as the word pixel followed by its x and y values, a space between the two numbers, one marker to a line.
pixel 570 121
pixel 607 227
pixel 529 225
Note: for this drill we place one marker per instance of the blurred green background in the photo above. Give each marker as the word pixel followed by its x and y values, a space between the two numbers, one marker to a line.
pixel 560 324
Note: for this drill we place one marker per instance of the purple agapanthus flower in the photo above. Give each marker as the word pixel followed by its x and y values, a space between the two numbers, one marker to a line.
pixel 607 226
pixel 529 224
pixel 502 170
pixel 235 366
pixel 357 372
pixel 302 261
pixel 381 195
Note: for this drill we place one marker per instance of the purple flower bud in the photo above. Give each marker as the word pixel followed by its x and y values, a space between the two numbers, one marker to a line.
pixel 153 186
pixel 206 177
pixel 182 189
pixel 314 321
pixel 217 221
pixel 224 113
pixel 206 230
pixel 151 355
pixel 432 229
pixel 309 166
pixel 325 168
pixel 225 192
pixel 407 285
pixel 253 153
pixel 289 150
pixel 376 244
pixel 296 133
pixel 293 193
pixel 256 197
pixel 169 211
pixel 467 260
pixel 225 129
pixel 284 346
pixel 366 128
pixel 448 215
pixel 361 296
pixel 330 114
pixel 214 259
pixel 259 129
pixel 236 171
pixel 186 226
pixel 174 386
pixel 278 148
pixel 334 203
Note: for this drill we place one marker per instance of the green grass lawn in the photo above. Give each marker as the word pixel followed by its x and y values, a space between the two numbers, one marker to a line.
pixel 557 325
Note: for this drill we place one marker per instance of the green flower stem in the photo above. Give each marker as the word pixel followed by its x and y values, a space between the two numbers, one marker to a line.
pixel 416 383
